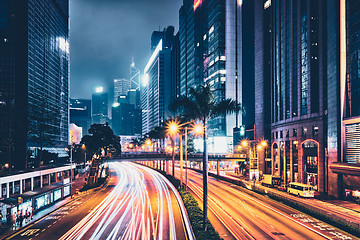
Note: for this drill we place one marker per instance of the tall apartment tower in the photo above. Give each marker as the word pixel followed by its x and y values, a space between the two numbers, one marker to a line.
pixel 34 78
pixel 121 87
pixel 212 43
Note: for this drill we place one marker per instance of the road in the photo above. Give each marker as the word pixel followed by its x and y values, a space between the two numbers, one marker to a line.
pixel 138 203
pixel 243 216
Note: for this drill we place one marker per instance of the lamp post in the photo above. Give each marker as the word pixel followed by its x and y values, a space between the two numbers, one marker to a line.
pixel 84 148
pixel 173 128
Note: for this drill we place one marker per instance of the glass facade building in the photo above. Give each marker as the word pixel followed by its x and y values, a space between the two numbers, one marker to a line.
pixel 34 83
pixel 159 86
pixel 100 112
pixel 212 43
pixel 298 91
pixel 80 113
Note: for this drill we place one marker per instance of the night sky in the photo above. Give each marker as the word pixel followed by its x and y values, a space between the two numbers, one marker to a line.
pixel 106 34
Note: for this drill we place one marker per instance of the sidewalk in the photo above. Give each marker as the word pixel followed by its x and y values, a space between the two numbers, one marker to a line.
pixel 344 211
pixel 77 184
pixel 349 205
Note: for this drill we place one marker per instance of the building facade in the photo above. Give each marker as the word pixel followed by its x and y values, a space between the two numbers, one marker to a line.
pixel 100 106
pixel 212 43
pixel 34 82
pixel 313 64
pixel 158 82
pixel 298 92
pixel 121 87
pixel 80 114
pixel 343 68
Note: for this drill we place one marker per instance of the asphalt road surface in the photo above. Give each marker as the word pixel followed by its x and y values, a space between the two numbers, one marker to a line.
pixel 138 203
pixel 237 215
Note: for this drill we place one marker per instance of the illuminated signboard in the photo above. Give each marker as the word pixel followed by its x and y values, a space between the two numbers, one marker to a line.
pixel 196 4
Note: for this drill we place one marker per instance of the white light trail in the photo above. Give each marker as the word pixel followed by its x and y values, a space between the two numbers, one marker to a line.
pixel 126 213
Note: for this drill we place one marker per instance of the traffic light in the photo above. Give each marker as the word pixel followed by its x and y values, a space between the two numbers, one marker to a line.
pixel 242 130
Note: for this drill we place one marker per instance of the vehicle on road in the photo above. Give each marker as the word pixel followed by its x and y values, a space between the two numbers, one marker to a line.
pixel 271 180
pixel 300 189
pixel 282 188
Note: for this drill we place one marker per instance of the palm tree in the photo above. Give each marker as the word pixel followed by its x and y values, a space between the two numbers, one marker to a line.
pixel 201 105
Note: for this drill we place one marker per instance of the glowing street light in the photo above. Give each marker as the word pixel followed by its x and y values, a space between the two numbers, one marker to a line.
pixel 84 148
pixel 244 143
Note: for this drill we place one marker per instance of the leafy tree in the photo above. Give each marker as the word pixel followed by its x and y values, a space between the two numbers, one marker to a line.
pixel 202 105
pixel 102 137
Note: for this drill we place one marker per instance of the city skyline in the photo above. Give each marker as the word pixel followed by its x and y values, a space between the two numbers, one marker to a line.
pixel 105 49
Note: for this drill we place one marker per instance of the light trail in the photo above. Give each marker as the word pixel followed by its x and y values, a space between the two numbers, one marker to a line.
pixel 247 217
pixel 127 212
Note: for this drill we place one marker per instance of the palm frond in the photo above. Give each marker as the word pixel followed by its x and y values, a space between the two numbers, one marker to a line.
pixel 227 106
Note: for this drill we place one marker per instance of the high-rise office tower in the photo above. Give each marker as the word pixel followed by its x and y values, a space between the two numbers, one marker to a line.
pixel 121 87
pixel 34 78
pixel 298 92
pixel 157 82
pixel 80 114
pixel 212 43
pixel 100 106
pixel 343 96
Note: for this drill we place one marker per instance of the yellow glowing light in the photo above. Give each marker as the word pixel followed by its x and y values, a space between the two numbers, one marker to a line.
pixel 244 143
pixel 239 147
pixel 148 142
pixel 172 127
pixel 259 147
pixel 263 143
pixel 6 165
pixel 198 129
pixel 131 145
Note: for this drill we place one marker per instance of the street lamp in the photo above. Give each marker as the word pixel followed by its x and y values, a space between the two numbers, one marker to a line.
pixel 84 148
pixel 172 128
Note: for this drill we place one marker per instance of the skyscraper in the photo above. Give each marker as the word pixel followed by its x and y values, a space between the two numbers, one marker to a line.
pixel 212 43
pixel 34 82
pixel 121 87
pixel 343 96
pixel 298 92
pixel 100 106
pixel 80 114
pixel 157 83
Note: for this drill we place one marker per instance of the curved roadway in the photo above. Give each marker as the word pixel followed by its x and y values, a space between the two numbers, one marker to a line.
pixel 139 203
pixel 248 217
